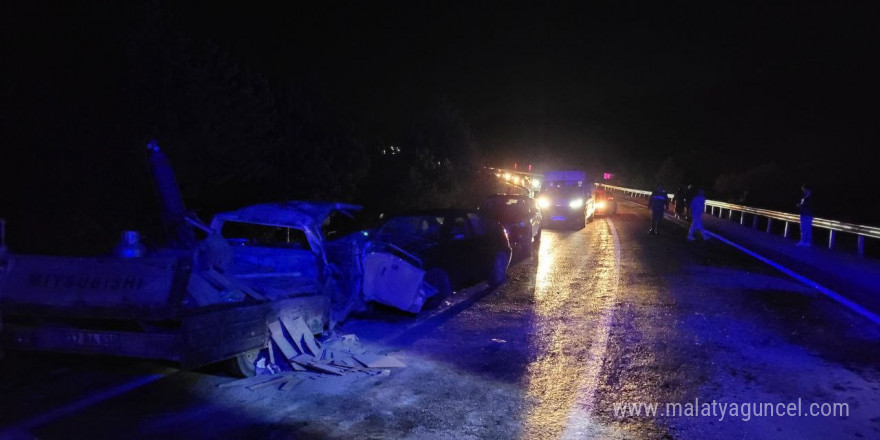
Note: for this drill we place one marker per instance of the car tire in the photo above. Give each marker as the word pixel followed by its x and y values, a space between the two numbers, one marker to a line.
pixel 244 364
pixel 439 279
pixel 526 248
pixel 498 273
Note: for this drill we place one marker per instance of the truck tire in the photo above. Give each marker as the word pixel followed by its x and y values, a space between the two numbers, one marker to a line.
pixel 244 365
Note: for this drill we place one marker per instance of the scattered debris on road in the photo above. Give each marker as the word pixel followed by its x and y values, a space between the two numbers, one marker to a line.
pixel 295 355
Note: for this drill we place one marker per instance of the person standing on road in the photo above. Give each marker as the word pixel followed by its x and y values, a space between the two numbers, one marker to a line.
pixel 806 210
pixel 658 204
pixel 688 194
pixel 698 205
pixel 680 201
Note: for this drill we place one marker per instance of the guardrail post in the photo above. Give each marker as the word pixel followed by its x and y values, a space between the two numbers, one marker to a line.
pixel 769 225
pixel 730 215
pixel 785 233
pixel 754 221
pixel 861 245
pixel 831 238
pixel 742 217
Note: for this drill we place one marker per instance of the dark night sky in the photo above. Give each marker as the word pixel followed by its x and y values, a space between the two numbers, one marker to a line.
pixel 726 82
pixel 721 87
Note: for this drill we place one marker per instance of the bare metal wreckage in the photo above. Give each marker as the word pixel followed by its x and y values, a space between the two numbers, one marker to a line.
pixel 194 302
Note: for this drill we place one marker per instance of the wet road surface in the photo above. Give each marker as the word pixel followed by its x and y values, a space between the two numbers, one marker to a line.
pixel 598 318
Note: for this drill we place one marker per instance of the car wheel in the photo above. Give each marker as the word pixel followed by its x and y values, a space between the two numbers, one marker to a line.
pixel 439 280
pixel 526 248
pixel 245 364
pixel 499 269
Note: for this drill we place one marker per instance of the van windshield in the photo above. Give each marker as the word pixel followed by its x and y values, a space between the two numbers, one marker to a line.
pixel 564 191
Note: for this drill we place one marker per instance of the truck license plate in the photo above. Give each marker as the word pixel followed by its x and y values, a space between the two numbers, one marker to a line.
pixel 95 339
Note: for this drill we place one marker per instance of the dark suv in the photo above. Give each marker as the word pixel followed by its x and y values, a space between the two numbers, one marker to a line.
pixel 520 216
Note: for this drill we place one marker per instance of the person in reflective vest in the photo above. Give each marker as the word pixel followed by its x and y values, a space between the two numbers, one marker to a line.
pixel 658 204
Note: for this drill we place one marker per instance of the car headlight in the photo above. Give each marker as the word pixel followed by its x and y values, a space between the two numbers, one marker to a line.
pixel 576 203
pixel 600 205
pixel 544 202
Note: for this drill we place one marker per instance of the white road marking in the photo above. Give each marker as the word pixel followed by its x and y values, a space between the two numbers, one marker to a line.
pixel 804 280
pixel 580 424
pixel 90 400
pixel 840 299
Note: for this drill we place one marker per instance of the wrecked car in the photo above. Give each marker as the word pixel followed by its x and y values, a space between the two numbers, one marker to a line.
pixel 194 302
pixel 291 250
pixel 412 257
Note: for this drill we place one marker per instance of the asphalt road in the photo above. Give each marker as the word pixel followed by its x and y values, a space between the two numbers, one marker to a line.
pixel 598 318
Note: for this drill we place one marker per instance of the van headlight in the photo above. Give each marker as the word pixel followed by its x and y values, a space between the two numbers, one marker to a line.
pixel 576 203
pixel 543 202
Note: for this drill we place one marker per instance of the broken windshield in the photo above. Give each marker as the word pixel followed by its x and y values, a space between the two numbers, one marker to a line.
pixel 252 234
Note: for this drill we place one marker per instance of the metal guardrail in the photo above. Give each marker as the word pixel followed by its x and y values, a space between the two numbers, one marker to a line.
pixel 833 226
